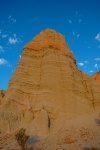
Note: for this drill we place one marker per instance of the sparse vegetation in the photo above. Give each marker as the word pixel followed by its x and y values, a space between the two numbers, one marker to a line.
pixel 22 138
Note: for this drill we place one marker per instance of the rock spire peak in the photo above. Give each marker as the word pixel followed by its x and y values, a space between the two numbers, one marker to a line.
pixel 49 38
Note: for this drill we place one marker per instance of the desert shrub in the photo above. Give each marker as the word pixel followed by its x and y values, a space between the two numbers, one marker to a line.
pixel 21 138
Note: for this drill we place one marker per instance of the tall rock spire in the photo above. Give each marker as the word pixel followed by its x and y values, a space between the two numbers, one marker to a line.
pixel 50 97
pixel 49 38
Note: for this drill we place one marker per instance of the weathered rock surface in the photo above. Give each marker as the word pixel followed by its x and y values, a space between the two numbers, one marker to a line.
pixel 96 76
pixel 50 97
pixel 2 94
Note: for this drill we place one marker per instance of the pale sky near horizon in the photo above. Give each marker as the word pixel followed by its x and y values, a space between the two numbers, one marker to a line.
pixel 22 20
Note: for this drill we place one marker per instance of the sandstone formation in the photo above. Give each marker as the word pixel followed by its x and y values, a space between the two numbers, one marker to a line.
pixel 96 76
pixel 2 94
pixel 57 103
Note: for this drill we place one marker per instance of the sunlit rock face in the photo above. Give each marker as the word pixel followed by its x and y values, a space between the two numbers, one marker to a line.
pixel 96 76
pixel 50 97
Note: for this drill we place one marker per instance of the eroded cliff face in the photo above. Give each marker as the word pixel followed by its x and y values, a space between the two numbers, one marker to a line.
pixel 96 76
pixel 50 97
pixel 2 94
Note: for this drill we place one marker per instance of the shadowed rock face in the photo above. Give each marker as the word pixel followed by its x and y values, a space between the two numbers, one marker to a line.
pixel 50 97
pixel 2 94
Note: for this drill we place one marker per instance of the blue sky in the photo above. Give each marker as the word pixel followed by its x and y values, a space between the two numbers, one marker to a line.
pixel 22 20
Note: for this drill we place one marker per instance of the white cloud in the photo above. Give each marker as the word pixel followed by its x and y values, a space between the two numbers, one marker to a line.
pixel 69 21
pixel 81 64
pixel 91 71
pixel 3 61
pixel 19 56
pixel 97 59
pixel 76 13
pixel 80 20
pixel 13 40
pixel 86 61
pixel 73 33
pixel 1 49
pixel 4 35
pixel 9 65
pixel 97 37
pixel 11 19
pixel 96 65
pixel 89 46
pixel 78 35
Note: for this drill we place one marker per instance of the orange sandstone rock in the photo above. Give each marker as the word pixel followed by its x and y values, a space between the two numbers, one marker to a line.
pixel 50 97
pixel 49 39
pixel 96 76
pixel 2 94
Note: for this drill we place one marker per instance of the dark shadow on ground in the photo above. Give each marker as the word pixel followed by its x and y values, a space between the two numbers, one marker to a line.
pixel 86 148
pixel 32 141
pixel 97 121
